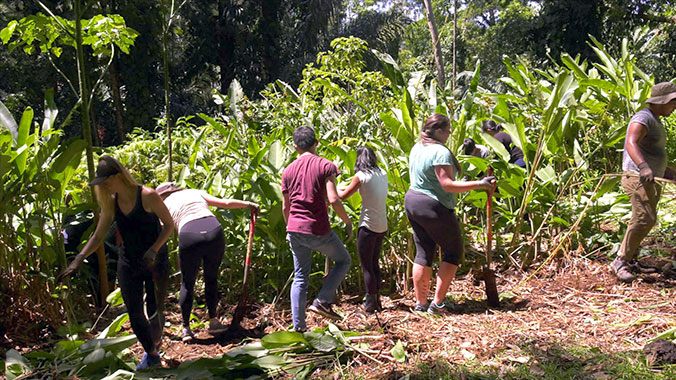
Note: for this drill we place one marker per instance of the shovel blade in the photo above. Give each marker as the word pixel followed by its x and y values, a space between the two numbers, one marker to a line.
pixel 492 296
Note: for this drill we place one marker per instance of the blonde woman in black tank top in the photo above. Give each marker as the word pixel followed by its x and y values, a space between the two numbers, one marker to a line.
pixel 138 211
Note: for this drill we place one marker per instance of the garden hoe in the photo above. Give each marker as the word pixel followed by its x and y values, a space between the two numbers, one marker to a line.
pixel 488 274
pixel 240 310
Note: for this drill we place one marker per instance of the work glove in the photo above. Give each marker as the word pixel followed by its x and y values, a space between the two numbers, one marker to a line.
pixel 645 173
pixel 149 258
pixel 73 267
pixel 349 231
pixel 254 206
pixel 487 183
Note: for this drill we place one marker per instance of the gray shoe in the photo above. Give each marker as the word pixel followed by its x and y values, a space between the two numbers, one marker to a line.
pixel 622 270
pixel 438 309
pixel 421 308
pixel 187 335
pixel 324 310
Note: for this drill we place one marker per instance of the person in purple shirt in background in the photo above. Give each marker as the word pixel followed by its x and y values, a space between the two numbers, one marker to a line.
pixel 307 184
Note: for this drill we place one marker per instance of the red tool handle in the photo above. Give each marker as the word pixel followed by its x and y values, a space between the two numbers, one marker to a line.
pixel 489 219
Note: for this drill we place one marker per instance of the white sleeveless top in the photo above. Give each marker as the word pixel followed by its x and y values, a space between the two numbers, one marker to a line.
pixel 187 205
pixel 373 191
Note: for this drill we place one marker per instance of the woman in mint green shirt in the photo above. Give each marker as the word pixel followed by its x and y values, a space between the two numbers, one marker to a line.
pixel 430 204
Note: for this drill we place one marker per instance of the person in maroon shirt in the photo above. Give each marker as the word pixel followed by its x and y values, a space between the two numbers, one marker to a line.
pixel 307 184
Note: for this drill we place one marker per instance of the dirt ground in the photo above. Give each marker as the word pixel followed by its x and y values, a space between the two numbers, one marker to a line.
pixel 579 303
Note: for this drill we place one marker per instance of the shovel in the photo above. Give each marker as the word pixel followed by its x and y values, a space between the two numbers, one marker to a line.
pixel 488 274
pixel 240 310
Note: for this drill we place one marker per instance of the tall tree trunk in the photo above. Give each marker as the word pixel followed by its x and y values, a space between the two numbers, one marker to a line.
pixel 117 101
pixel 226 46
pixel 87 133
pixel 438 57
pixel 270 33
pixel 455 40
pixel 167 104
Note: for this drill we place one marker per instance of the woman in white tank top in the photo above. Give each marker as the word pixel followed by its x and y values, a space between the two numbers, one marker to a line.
pixel 371 182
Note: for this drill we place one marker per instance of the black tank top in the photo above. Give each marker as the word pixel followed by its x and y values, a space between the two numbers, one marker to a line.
pixel 139 230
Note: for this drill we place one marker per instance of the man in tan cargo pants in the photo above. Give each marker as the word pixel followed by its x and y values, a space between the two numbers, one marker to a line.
pixel 645 154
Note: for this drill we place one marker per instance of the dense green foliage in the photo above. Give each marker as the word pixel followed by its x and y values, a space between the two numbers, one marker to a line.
pixel 566 105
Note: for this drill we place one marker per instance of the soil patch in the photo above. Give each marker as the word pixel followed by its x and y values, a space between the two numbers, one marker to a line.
pixel 578 303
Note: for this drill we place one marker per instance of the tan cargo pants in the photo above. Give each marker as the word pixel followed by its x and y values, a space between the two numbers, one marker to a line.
pixel 644 198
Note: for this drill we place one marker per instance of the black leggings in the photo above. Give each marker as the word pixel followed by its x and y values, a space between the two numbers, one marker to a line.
pixel 200 240
pixel 133 284
pixel 369 244
pixel 433 224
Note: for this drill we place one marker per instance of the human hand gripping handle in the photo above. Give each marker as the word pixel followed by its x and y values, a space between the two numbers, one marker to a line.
pixel 487 183
pixel 645 173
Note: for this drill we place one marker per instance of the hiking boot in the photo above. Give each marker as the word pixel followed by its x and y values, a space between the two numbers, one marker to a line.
pixel 622 270
pixel 371 303
pixel 148 361
pixel 187 335
pixel 216 327
pixel 324 309
pixel 421 308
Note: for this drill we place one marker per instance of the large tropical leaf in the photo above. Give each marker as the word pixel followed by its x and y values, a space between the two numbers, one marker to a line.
pixel 7 121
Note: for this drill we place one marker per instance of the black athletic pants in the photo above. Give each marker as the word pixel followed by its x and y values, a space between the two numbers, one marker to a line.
pixel 369 244
pixel 133 284
pixel 433 224
pixel 200 240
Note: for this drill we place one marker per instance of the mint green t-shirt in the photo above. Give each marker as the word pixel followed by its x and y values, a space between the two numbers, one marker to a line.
pixel 421 163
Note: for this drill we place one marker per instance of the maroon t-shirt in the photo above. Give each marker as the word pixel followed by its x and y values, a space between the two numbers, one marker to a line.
pixel 305 183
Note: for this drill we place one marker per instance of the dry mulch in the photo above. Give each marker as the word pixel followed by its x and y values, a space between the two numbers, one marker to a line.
pixel 574 304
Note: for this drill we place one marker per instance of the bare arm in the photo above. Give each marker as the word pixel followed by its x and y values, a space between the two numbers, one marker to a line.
pixel 635 133
pixel 227 203
pixel 350 189
pixel 445 176
pixel 334 199
pixel 102 227
pixel 286 207
pixel 157 206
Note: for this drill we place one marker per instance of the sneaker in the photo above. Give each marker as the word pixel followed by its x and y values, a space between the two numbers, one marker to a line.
pixel 421 308
pixel 216 327
pixel 371 304
pixel 187 335
pixel 437 309
pixel 149 361
pixel 622 270
pixel 324 310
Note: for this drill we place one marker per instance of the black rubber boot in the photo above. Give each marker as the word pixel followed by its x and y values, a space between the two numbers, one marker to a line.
pixel 371 303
